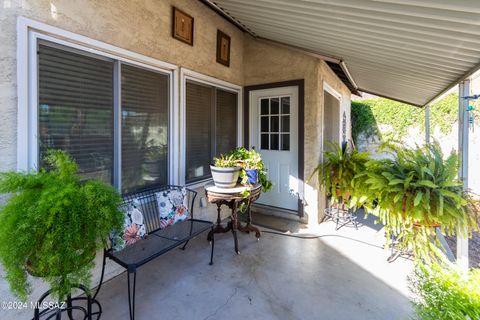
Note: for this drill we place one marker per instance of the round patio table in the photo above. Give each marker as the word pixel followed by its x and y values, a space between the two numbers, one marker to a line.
pixel 232 198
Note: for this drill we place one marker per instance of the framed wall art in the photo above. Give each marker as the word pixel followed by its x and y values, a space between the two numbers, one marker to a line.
pixel 223 48
pixel 182 28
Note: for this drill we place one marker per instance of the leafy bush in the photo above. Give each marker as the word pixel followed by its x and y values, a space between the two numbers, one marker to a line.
pixel 416 191
pixel 443 292
pixel 369 115
pixel 53 223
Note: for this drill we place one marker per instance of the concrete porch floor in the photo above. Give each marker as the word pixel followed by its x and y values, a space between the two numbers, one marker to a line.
pixel 343 275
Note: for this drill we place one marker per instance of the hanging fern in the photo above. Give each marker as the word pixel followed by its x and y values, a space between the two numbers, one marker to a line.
pixel 416 191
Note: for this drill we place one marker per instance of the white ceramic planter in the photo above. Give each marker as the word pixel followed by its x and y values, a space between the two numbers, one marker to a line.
pixel 225 177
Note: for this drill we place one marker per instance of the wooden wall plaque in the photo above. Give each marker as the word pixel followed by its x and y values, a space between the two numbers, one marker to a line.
pixel 182 28
pixel 223 48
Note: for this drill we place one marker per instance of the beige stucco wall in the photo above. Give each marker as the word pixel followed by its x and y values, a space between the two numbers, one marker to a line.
pixel 145 27
pixel 140 26
pixel 267 63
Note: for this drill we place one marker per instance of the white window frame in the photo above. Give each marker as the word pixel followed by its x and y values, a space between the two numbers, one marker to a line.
pixel 185 75
pixel 29 32
pixel 328 88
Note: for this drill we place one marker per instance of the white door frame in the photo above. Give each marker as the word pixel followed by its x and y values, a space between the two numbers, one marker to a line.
pixel 300 84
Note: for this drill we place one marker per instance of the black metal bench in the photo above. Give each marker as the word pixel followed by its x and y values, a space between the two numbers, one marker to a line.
pixel 158 241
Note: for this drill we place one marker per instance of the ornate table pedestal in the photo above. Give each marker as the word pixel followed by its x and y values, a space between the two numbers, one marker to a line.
pixel 232 198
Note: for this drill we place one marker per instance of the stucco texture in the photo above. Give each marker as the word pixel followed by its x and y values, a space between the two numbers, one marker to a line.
pixel 266 63
pixel 140 26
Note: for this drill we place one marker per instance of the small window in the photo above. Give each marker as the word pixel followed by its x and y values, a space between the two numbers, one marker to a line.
pixel 211 127
pixel 199 111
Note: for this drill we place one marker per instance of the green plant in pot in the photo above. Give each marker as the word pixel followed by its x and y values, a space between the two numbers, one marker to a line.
pixel 253 169
pixel 225 171
pixel 52 223
pixel 340 174
pixel 417 191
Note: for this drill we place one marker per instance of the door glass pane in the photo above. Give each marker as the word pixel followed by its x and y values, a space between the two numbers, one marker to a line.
pixel 274 108
pixel 264 106
pixel 286 105
pixel 274 141
pixel 285 142
pixel 264 144
pixel 144 128
pixel 274 124
pixel 285 124
pixel 264 124
pixel 76 109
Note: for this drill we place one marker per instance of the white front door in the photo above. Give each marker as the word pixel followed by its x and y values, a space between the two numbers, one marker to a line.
pixel 274 133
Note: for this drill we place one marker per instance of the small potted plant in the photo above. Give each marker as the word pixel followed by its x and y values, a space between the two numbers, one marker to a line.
pixel 225 171
pixel 253 169
pixel 53 223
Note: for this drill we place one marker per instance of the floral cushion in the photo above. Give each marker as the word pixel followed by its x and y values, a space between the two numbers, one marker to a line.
pixel 172 206
pixel 133 227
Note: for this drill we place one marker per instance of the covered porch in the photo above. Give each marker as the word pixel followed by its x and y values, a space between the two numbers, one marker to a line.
pixel 323 51
pixel 341 274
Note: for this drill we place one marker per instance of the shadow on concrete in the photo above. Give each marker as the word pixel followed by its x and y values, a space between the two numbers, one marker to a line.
pixel 275 278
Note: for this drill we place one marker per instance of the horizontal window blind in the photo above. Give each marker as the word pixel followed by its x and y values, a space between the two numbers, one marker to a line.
pixel 144 128
pixel 226 121
pixel 211 127
pixel 199 105
pixel 76 109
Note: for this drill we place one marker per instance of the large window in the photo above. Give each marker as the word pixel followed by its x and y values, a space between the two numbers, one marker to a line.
pixel 211 127
pixel 144 128
pixel 76 109
pixel 79 100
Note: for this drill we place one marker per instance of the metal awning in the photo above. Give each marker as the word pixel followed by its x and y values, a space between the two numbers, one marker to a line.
pixel 407 50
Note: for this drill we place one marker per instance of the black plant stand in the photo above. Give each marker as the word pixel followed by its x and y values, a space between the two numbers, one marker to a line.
pixel 341 216
pixel 79 308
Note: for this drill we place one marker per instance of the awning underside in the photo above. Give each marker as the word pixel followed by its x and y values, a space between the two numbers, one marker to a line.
pixel 408 50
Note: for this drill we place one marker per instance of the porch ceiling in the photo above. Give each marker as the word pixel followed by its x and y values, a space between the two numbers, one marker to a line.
pixel 408 50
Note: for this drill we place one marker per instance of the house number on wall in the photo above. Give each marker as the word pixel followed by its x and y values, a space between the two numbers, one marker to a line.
pixel 344 127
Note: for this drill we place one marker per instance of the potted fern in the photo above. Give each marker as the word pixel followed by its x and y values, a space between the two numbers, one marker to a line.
pixel 417 191
pixel 52 224
pixel 339 174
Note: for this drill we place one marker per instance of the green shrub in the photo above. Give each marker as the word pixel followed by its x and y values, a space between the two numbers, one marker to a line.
pixel 52 224
pixel 443 292
pixel 370 114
